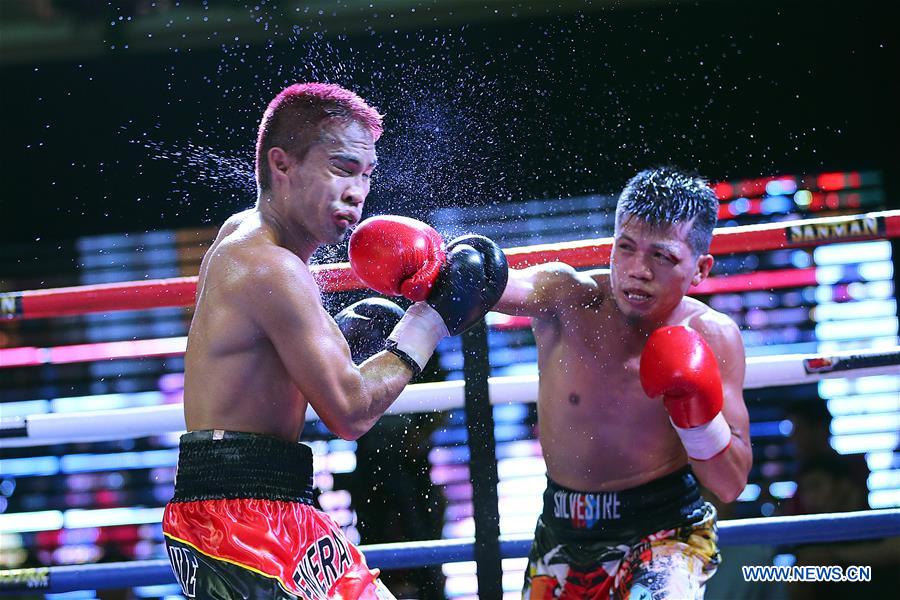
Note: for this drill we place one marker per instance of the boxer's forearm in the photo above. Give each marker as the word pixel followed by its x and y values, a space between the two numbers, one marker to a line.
pixel 381 379
pixel 726 474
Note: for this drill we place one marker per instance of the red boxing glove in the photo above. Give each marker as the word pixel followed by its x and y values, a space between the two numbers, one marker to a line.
pixel 679 365
pixel 396 256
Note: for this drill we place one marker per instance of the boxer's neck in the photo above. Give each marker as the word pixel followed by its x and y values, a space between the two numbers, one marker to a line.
pixel 292 236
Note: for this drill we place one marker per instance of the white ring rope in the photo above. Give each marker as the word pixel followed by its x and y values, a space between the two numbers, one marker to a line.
pixel 126 423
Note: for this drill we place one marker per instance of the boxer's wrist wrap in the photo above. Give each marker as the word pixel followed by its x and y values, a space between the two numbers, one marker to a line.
pixel 705 441
pixel 417 334
pixel 391 346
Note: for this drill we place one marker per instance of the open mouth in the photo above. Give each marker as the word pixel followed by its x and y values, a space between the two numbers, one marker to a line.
pixel 637 296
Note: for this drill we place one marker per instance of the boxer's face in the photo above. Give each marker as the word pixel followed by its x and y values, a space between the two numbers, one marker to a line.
pixel 329 186
pixel 651 268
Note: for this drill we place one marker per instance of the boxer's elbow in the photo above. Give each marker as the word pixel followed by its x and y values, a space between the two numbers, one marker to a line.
pixel 726 484
pixel 353 423
pixel 359 401
pixel 726 476
pixel 350 431
pixel 349 415
pixel 360 425
pixel 729 492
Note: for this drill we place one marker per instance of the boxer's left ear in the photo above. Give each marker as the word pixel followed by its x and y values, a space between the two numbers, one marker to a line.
pixel 704 266
pixel 278 162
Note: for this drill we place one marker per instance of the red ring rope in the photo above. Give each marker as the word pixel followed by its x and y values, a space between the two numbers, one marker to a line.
pixel 137 295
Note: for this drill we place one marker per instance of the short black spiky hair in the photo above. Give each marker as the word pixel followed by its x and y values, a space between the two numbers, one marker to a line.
pixel 664 196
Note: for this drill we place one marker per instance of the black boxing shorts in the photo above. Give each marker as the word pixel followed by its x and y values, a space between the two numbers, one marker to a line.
pixel 242 525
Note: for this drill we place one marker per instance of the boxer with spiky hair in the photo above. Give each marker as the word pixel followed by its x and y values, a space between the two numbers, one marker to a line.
pixel 640 396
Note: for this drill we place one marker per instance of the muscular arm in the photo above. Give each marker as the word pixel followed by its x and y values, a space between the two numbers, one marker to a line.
pixel 726 474
pixel 285 303
pixel 539 291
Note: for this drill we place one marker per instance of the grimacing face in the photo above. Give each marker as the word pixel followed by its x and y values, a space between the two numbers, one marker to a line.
pixel 329 186
pixel 652 268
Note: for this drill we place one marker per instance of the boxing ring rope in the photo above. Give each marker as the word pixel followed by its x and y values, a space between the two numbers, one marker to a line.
pixel 180 292
pixel 28 356
pixel 105 425
pixel 833 527
pixel 140 295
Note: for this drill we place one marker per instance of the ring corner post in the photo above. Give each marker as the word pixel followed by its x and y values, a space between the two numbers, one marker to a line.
pixel 482 462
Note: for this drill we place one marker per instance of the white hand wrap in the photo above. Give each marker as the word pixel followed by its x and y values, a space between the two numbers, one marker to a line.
pixel 418 333
pixel 705 441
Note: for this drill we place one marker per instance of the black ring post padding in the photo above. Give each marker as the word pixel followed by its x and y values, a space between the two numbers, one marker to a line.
pixel 482 462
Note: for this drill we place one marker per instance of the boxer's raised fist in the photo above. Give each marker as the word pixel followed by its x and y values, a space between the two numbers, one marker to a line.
pixel 470 282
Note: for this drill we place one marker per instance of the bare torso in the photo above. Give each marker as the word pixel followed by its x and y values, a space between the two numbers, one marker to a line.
pixel 598 430
pixel 234 378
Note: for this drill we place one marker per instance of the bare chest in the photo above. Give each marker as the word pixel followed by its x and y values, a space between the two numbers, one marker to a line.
pixel 588 348
pixel 598 429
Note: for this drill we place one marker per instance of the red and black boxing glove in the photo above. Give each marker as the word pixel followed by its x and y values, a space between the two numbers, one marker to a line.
pixel 402 256
pixel 679 365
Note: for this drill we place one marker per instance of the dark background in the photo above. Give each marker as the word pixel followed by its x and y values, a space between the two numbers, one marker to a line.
pixel 142 116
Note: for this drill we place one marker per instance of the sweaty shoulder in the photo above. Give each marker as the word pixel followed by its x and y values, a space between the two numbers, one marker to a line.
pixel 717 328
pixel 571 289
pixel 247 260
pixel 546 290
pixel 565 275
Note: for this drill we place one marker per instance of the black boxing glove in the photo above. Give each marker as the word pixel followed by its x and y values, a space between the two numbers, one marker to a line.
pixel 470 282
pixel 366 325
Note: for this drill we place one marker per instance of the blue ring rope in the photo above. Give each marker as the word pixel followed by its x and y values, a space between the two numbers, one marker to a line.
pixel 832 527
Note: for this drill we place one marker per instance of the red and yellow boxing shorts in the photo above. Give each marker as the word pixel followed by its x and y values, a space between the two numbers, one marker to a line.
pixel 242 525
